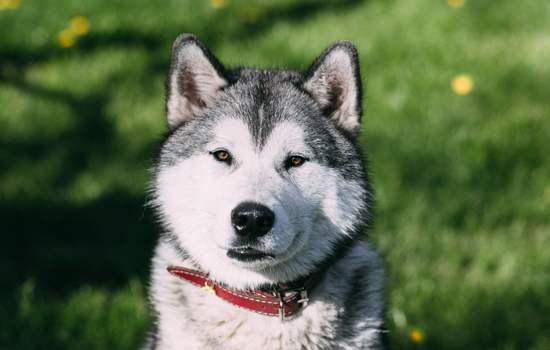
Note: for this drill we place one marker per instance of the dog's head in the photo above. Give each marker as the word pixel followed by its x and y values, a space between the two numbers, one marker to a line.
pixel 260 179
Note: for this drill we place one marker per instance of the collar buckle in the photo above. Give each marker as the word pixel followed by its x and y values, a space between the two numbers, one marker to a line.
pixel 281 291
pixel 304 299
pixel 281 306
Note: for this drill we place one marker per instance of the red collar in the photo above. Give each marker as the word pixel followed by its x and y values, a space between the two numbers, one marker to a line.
pixel 281 302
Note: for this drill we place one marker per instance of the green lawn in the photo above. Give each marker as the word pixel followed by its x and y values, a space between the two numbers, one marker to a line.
pixel 462 181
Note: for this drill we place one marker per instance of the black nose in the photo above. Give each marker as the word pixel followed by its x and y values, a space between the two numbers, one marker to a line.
pixel 252 220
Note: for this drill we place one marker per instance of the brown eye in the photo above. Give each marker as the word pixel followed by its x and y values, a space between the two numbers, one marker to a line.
pixel 294 161
pixel 222 156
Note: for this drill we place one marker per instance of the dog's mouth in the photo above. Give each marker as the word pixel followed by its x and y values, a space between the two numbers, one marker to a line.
pixel 247 254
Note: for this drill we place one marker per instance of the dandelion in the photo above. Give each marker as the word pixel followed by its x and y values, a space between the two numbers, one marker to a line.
pixel 79 25
pixel 66 38
pixel 9 4
pixel 13 4
pixel 218 4
pixel 416 336
pixel 462 85
pixel 456 3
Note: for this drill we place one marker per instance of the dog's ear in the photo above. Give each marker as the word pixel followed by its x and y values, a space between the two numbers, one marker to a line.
pixel 194 78
pixel 334 82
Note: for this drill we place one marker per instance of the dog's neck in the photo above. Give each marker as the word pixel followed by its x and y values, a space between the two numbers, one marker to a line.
pixel 273 300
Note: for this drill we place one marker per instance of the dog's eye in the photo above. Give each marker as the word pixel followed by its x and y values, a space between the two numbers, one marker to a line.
pixel 222 156
pixel 294 161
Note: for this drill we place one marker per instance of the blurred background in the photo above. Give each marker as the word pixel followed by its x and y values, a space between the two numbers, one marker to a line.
pixel 456 125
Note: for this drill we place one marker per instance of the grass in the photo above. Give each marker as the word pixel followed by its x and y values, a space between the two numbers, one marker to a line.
pixel 462 181
pixel 90 318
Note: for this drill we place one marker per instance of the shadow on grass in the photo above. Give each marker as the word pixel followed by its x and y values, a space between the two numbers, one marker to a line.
pixel 61 246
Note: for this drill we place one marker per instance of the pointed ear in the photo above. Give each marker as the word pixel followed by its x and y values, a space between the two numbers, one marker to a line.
pixel 334 82
pixel 194 78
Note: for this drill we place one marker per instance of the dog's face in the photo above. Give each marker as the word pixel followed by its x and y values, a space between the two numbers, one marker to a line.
pixel 260 180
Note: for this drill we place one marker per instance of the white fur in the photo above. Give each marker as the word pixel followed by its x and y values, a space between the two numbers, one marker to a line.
pixel 199 193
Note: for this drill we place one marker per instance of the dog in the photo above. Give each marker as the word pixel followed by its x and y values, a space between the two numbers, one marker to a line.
pixel 264 201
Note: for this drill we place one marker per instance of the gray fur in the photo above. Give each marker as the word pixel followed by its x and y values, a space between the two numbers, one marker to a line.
pixel 322 208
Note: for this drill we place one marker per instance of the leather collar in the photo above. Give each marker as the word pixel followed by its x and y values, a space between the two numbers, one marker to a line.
pixel 282 301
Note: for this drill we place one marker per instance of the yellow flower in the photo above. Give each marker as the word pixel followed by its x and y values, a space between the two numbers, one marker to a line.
pixel 416 336
pixel 456 3
pixel 79 25
pixel 219 3
pixel 462 85
pixel 66 38
pixel 9 4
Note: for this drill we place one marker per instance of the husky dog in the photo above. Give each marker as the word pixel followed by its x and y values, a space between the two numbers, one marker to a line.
pixel 261 190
